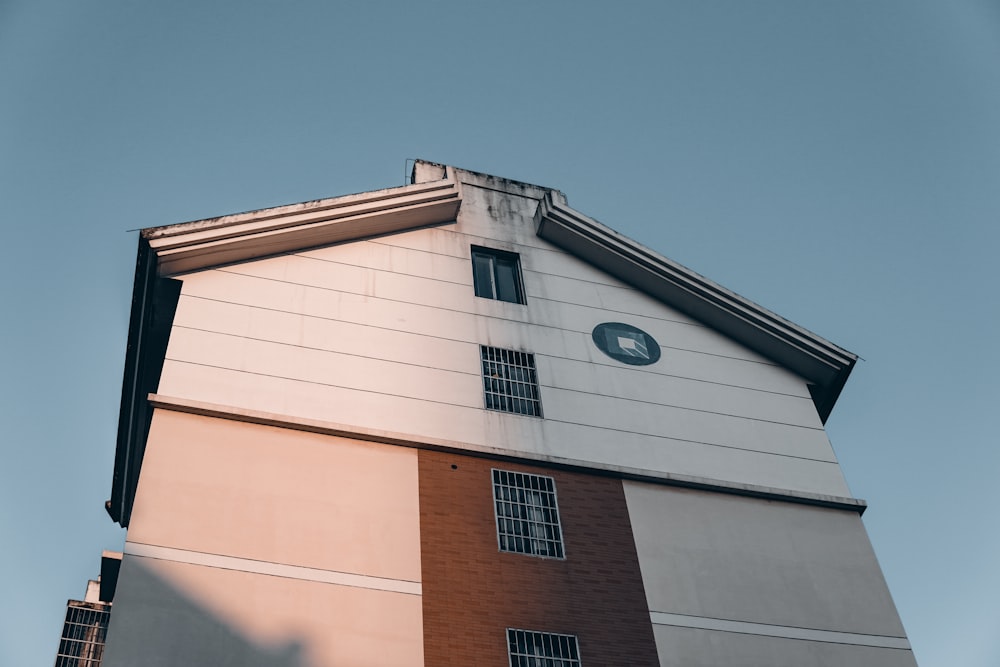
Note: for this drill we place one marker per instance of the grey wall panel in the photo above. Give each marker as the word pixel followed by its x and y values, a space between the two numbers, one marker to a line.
pixel 687 647
pixel 710 555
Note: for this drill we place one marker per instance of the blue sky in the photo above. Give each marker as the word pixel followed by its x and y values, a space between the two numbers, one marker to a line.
pixel 837 162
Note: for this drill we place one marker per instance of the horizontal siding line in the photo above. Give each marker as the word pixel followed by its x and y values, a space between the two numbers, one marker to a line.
pixel 623 286
pixel 329 351
pixel 479 375
pixel 634 369
pixel 395 273
pixel 273 569
pixel 535 297
pixel 469 407
pixel 470 286
pixel 779 631
pixel 478 239
pixel 465 312
pixel 684 407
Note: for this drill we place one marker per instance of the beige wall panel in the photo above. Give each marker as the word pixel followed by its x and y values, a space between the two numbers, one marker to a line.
pixel 277 495
pixel 689 647
pixel 323 367
pixel 717 556
pixel 483 428
pixel 349 407
pixel 631 450
pixel 382 256
pixel 684 424
pixel 324 334
pixel 360 280
pixel 612 299
pixel 635 383
pixel 170 614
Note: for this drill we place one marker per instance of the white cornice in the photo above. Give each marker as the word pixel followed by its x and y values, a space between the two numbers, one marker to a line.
pixel 201 244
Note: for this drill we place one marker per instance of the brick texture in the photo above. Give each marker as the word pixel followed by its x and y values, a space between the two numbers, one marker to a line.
pixel 472 592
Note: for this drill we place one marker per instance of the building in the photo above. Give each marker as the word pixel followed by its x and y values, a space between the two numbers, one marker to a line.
pixel 86 624
pixel 458 422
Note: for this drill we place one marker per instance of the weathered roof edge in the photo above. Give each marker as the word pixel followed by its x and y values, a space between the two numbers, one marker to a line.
pixel 199 244
pixel 825 365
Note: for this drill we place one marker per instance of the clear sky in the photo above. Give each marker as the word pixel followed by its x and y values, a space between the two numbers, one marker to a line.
pixel 837 162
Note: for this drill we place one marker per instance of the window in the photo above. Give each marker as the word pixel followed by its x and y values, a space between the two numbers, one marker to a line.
pixel 510 383
pixel 626 343
pixel 527 514
pixel 497 275
pixel 527 648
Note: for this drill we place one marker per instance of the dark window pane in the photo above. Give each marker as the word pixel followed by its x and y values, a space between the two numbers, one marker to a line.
pixel 507 281
pixel 482 271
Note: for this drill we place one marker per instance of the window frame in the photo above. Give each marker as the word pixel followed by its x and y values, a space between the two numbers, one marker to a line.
pixel 493 290
pixel 525 660
pixel 534 525
pixel 504 387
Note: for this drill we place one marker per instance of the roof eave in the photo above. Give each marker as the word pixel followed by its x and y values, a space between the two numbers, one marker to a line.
pixel 824 365
pixel 201 244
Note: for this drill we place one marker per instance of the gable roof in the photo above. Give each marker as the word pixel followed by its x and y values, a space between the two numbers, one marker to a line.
pixel 433 197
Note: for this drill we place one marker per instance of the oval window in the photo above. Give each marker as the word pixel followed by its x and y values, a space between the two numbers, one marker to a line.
pixel 626 343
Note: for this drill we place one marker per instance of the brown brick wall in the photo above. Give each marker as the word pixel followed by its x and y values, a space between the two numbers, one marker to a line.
pixel 472 592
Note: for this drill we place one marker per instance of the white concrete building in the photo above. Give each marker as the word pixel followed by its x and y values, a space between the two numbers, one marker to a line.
pixel 459 422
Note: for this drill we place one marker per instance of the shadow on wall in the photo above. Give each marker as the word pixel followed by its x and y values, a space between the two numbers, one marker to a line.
pixel 155 624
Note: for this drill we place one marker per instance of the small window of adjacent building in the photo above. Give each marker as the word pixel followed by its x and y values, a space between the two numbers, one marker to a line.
pixel 528 648
pixel 510 383
pixel 527 514
pixel 497 275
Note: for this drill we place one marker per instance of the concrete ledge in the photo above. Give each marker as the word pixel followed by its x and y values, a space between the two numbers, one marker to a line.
pixel 407 440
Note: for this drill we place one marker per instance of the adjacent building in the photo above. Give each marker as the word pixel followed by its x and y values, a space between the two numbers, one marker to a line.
pixel 86 624
pixel 460 423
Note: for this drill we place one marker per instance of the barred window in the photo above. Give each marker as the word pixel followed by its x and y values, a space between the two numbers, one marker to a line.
pixel 510 383
pixel 527 514
pixel 528 648
pixel 82 642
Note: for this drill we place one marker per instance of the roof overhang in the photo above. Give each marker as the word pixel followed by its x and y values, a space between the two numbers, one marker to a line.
pixel 191 246
pixel 824 365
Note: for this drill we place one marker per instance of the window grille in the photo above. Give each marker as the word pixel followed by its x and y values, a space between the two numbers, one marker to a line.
pixel 527 648
pixel 527 514
pixel 497 275
pixel 82 642
pixel 510 383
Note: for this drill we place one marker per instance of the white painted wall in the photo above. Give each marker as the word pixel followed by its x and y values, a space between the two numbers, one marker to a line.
pixel 384 334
